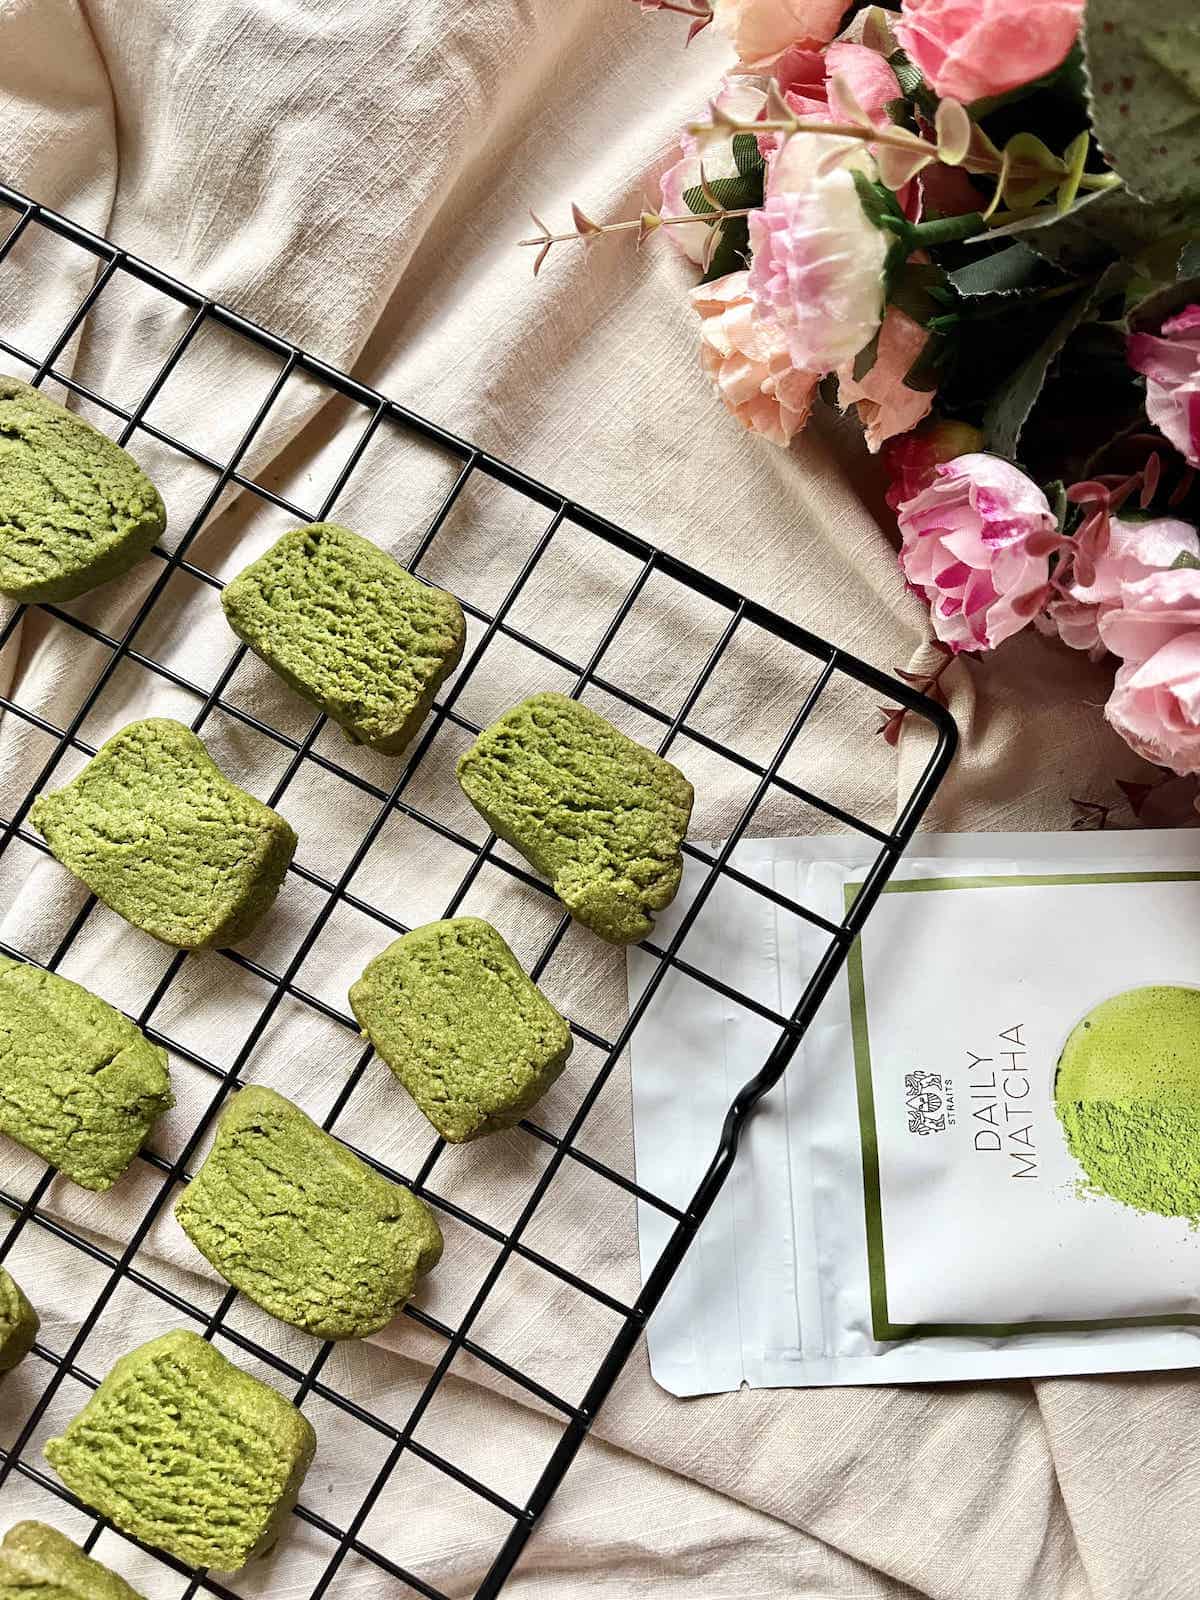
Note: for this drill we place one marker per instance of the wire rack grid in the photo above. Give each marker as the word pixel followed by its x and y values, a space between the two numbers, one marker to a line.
pixel 818 665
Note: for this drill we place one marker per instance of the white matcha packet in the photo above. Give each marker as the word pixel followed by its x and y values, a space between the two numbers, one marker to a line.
pixel 905 1207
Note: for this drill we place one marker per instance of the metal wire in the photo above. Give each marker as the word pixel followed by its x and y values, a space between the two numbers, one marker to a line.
pixel 302 754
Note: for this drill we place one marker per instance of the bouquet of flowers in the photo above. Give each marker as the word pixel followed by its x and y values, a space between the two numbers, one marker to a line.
pixel 977 222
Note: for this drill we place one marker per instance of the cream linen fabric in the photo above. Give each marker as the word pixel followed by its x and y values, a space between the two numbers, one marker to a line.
pixel 354 173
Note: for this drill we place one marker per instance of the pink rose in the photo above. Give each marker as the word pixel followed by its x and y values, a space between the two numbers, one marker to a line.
pixel 742 98
pixel 817 268
pixel 1170 363
pixel 886 405
pixel 804 76
pixel 968 49
pixel 761 30
pixel 1135 550
pixel 972 546
pixel 911 462
pixel 867 75
pixel 748 363
pixel 1155 703
pixel 1154 611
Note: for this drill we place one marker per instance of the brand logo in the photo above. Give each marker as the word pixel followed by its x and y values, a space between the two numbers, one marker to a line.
pixel 926 1101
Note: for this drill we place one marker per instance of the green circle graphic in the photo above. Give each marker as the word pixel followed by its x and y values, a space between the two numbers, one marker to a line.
pixel 1127 1092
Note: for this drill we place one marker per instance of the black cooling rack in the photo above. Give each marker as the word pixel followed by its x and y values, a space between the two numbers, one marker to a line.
pixel 818 666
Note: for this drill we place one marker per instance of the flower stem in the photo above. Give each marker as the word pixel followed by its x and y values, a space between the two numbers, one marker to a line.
pixel 943 230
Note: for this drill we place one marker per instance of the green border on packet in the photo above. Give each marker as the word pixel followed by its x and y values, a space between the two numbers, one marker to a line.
pixel 882 1327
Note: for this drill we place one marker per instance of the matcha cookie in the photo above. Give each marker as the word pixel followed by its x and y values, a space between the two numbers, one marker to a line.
pixel 156 830
pixel 188 1453
pixel 291 1218
pixel 18 1323
pixel 75 510
pixel 451 1011
pixel 600 816
pixel 80 1085
pixel 39 1563
pixel 349 629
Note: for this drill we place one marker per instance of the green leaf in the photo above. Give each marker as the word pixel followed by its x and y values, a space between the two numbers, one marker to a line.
pixel 1023 193
pixel 1056 494
pixel 879 203
pixel 1152 311
pixel 1185 558
pixel 1013 270
pixel 916 290
pixel 1189 259
pixel 734 192
pixel 1008 410
pixel 1104 225
pixel 925 373
pixel 1075 156
pixel 908 76
pixel 747 156
pixel 733 252
pixel 731 194
pixel 1143 72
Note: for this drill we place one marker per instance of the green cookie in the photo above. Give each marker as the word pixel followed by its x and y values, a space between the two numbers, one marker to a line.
pixel 19 1323
pixel 156 830
pixel 188 1453
pixel 451 1011
pixel 600 816
pixel 349 629
pixel 39 1563
pixel 75 510
pixel 291 1218
pixel 80 1085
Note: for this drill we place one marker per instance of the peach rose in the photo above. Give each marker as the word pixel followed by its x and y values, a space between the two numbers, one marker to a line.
pixel 761 30
pixel 747 362
pixel 886 405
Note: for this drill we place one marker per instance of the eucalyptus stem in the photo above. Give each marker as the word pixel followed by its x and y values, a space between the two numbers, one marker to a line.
pixel 895 138
pixel 721 214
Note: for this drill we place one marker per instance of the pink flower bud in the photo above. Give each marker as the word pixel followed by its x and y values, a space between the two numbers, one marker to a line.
pixel 1135 550
pixel 912 460
pixel 1170 363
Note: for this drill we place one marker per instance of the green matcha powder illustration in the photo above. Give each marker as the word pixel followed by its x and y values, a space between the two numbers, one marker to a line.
pixel 1127 1093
